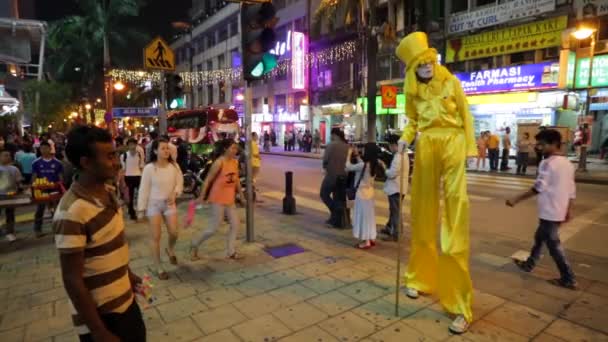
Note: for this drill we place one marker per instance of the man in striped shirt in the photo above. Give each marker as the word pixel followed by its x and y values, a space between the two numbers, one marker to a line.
pixel 89 234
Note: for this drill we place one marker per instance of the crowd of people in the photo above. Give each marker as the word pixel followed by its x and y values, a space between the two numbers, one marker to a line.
pixel 303 139
pixel 488 147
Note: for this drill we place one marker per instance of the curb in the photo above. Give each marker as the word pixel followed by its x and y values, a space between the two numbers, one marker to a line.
pixel 292 155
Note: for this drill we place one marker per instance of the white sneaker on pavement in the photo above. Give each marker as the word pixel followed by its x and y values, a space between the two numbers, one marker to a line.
pixel 11 237
pixel 411 292
pixel 459 325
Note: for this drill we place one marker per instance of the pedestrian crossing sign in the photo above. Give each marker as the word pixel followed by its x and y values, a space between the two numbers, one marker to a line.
pixel 159 56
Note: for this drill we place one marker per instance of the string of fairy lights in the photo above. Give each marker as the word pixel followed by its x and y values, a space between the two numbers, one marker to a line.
pixel 328 56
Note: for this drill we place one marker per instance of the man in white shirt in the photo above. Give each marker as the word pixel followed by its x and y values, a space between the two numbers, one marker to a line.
pixel 556 191
pixel 132 164
pixel 392 187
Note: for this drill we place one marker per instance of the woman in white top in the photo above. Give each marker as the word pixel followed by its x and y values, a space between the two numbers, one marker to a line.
pixel 161 183
pixel 364 215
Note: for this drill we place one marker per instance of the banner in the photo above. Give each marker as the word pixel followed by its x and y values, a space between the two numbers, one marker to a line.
pixel 532 36
pixel 389 96
pixel 590 8
pixel 497 14
pixel 514 78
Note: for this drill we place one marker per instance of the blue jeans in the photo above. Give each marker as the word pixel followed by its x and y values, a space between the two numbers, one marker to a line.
pixel 547 232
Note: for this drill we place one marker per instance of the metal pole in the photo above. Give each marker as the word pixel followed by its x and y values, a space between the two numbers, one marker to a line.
pixel 582 160
pixel 162 114
pixel 400 224
pixel 248 144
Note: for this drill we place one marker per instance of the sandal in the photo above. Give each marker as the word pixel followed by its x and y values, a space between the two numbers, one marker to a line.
pixel 194 254
pixel 523 265
pixel 172 258
pixel 235 256
pixel 363 246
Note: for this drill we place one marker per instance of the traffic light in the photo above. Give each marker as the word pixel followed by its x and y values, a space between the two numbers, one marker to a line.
pixel 174 87
pixel 258 38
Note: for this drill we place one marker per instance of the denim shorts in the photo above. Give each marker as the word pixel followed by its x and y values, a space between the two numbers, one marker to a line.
pixel 160 207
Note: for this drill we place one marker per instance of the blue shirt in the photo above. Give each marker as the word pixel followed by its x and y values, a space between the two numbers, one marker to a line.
pixel 49 169
pixel 25 160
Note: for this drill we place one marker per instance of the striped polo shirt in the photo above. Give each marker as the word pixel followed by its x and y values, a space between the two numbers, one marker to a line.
pixel 83 223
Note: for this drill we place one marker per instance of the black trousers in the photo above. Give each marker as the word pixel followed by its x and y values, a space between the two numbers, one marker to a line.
pixel 493 155
pixel 132 184
pixel 504 164
pixel 128 326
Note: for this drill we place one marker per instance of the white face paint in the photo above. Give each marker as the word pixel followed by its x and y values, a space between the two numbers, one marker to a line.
pixel 425 70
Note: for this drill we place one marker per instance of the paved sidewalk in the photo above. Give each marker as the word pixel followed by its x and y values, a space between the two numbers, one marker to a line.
pixel 331 292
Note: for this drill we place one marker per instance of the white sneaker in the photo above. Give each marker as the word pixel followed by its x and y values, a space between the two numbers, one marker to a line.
pixel 459 325
pixel 411 292
pixel 11 237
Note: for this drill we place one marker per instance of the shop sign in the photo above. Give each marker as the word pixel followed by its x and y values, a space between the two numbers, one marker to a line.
pixel 389 96
pixel 497 14
pixel 600 72
pixel 399 109
pixel 514 78
pixel 134 112
pixel 288 117
pixel 261 117
pixel 590 8
pixel 298 62
pixel 532 36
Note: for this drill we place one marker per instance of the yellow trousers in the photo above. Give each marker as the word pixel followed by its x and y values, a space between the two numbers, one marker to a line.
pixel 441 155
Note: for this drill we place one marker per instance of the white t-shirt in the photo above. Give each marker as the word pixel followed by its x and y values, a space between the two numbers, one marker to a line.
pixel 159 183
pixel 133 164
pixel 555 186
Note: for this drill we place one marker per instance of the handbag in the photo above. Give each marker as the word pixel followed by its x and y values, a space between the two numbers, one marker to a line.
pixel 351 193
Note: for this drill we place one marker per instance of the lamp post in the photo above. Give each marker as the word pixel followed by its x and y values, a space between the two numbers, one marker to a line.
pixel 580 34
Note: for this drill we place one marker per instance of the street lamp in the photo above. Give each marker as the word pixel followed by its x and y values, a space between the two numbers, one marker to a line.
pixel 119 86
pixel 582 33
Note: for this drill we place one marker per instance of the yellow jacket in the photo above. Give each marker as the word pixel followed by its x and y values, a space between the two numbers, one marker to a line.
pixel 440 103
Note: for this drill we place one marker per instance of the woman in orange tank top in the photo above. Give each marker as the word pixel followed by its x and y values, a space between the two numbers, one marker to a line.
pixel 222 185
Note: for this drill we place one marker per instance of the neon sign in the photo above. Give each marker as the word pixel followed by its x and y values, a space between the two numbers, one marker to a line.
pixel 282 47
pixel 298 62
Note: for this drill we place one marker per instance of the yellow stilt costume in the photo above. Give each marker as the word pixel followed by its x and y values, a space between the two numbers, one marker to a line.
pixel 438 109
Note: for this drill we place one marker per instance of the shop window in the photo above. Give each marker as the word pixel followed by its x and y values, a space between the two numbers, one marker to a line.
pixel 459 5
pixel 209 64
pixel 485 2
pixel 280 103
pixel 234 27
pixel 551 54
pixel 211 40
pixel 481 64
pixel 210 95
pixel 221 61
pixel 223 35
pixel 525 57
pixel 235 58
pixel 199 96
pixel 255 105
pixel 222 87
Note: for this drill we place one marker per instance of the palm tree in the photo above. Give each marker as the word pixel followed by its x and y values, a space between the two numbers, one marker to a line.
pixel 81 43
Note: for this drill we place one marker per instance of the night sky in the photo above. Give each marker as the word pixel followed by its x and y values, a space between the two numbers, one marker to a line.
pixel 155 16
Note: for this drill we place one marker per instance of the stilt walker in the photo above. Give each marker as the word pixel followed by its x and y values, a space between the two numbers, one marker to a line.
pixel 436 107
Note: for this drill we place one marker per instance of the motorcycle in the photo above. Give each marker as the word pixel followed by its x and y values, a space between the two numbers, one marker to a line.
pixel 195 174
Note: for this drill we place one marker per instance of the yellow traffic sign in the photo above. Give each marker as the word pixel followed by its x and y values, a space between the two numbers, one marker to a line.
pixel 158 55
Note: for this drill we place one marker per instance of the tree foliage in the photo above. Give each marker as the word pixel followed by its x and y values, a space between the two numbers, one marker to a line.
pixel 77 43
pixel 54 103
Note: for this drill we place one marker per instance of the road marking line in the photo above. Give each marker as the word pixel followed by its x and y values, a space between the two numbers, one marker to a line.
pixel 502 178
pixel 315 192
pixel 570 229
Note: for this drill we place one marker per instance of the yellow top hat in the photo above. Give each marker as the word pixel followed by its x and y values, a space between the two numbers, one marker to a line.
pixel 412 47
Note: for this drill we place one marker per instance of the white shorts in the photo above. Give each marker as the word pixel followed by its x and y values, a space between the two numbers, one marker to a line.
pixel 160 207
